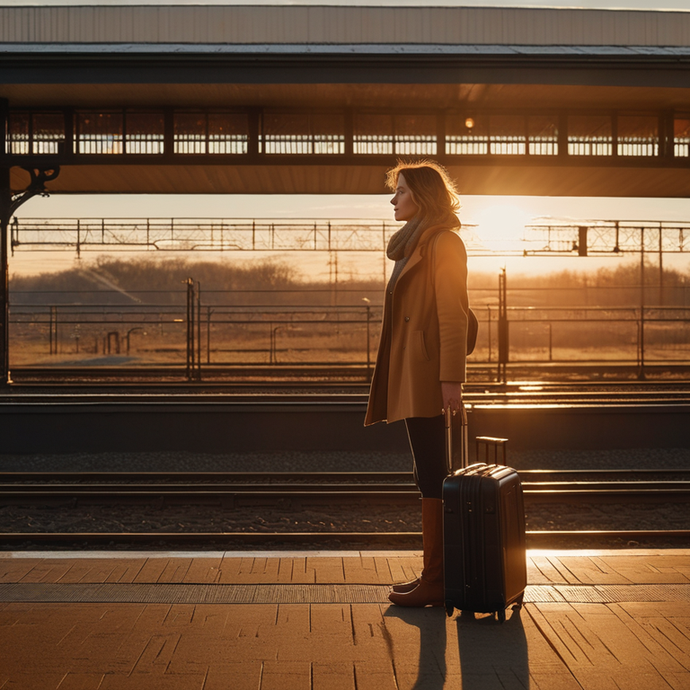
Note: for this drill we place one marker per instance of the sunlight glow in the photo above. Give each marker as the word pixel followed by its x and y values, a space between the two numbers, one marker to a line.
pixel 501 226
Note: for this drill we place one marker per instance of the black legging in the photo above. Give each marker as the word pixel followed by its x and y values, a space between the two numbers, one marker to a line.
pixel 428 444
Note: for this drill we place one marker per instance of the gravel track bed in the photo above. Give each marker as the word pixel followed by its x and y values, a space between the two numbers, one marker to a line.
pixel 369 518
pixel 332 461
pixel 362 518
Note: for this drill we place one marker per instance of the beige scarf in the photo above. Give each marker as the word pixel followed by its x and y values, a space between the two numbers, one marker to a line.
pixel 404 241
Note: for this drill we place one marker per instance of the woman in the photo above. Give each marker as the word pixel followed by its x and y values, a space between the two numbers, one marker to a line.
pixel 420 364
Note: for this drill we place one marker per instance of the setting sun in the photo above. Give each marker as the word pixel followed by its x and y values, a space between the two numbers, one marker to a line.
pixel 501 227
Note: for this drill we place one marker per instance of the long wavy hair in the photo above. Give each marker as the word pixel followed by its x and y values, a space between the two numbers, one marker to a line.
pixel 432 189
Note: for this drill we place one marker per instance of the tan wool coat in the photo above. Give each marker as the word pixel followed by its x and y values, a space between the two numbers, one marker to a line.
pixel 424 333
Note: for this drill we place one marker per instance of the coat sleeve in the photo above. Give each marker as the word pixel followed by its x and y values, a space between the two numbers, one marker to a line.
pixel 452 304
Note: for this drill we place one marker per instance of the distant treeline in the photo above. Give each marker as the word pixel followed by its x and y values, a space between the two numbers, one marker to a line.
pixel 150 281
pixel 163 282
pixel 618 286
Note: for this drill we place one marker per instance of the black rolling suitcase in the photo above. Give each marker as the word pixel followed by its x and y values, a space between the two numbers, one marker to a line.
pixel 485 566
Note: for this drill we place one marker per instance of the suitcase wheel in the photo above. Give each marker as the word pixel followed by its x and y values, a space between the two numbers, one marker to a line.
pixel 449 609
pixel 501 613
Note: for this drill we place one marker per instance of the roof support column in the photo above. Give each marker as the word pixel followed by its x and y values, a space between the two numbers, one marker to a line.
pixel 349 122
pixel 168 133
pixel 5 214
pixel 441 135
pixel 666 134
pixel 563 134
pixel 254 134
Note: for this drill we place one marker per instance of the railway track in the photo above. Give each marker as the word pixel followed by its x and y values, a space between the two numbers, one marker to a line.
pixel 300 489
pixel 577 486
pixel 318 374
pixel 105 413
pixel 527 393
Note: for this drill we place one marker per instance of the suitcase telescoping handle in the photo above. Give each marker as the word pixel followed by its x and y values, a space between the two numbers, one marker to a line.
pixel 487 442
pixel 457 446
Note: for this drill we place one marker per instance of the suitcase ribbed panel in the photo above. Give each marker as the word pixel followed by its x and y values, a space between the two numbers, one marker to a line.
pixel 484 537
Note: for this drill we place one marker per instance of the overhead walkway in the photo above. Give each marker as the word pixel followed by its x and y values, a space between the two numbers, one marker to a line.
pixel 250 99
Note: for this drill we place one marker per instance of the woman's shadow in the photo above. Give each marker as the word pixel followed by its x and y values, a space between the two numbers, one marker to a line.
pixel 431 665
pixel 491 654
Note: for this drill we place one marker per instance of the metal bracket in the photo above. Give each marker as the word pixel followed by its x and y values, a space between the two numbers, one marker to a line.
pixel 9 203
pixel 39 177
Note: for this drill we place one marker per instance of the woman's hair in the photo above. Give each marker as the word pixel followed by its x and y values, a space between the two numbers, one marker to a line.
pixel 432 189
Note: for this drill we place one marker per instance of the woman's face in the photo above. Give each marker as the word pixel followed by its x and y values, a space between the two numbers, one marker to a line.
pixel 404 206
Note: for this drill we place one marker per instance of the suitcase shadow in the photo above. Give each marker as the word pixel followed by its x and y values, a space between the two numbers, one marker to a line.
pixel 491 651
pixel 491 654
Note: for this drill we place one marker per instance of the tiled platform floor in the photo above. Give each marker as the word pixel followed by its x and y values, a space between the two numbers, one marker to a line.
pixel 631 637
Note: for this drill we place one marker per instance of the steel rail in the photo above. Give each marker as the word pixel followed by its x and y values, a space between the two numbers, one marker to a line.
pixel 352 479
pixel 327 371
pixel 324 367
pixel 477 394
pixel 264 478
pixel 534 538
pixel 230 497
pixel 529 488
pixel 209 489
pixel 622 386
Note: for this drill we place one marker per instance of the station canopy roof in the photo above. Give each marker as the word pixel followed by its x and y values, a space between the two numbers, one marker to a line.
pixel 351 63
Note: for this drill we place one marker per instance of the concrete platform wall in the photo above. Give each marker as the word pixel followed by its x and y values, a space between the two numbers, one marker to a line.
pixel 239 427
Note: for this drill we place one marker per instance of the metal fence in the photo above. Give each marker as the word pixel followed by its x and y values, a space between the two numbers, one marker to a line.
pixel 201 332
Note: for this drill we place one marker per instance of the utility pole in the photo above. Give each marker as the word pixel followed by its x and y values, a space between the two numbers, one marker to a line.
pixel 640 374
pixel 503 347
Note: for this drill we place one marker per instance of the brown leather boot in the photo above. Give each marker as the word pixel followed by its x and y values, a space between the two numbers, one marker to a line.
pixel 403 587
pixel 430 590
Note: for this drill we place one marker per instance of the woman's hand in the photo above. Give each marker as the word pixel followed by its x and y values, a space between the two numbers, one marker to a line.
pixel 451 391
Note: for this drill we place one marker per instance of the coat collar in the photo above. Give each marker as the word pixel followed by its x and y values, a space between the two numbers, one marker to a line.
pixel 419 251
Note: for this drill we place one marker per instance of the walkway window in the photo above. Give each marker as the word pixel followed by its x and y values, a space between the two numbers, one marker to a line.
pixel 99 133
pixel 18 139
pixel 507 135
pixel 415 135
pixel 542 132
pixel 119 131
pixel 302 133
pixel 374 134
pixel 191 132
pixel 405 134
pixel 681 134
pixel 590 135
pixel 472 134
pixel 213 133
pixel 638 135
pixel 35 133
pixel 467 135
pixel 144 133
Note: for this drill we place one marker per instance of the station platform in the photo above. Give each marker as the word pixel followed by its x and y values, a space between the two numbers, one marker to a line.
pixel 598 620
